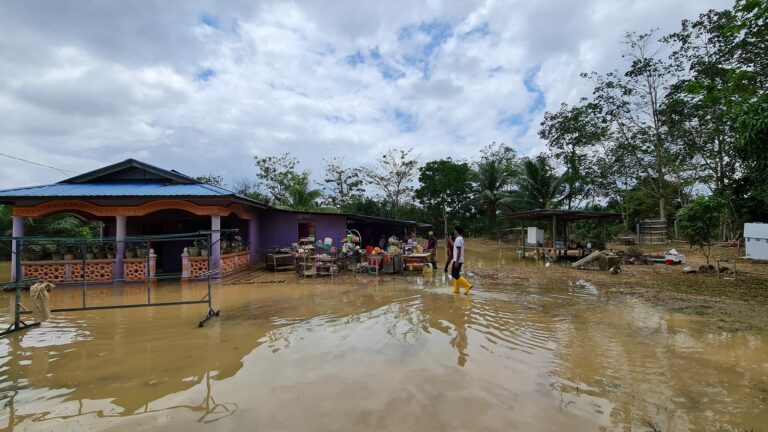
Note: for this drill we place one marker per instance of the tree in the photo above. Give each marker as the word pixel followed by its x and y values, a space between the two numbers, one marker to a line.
pixel 276 174
pixel 749 81
pixel 393 176
pixel 632 101
pixel 298 195
pixel 444 189
pixel 698 221
pixel 365 206
pixel 574 135
pixel 492 176
pixel 211 179
pixel 698 108
pixel 343 184
pixel 538 185
pixel 248 188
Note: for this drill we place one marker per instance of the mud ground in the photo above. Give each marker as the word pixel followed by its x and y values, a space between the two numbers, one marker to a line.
pixel 728 303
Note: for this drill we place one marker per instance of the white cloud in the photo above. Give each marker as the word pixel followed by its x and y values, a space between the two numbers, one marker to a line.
pixel 201 87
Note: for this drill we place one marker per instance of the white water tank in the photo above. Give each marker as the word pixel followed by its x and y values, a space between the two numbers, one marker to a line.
pixel 756 240
pixel 535 236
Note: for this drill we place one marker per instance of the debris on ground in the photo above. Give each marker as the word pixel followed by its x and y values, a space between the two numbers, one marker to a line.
pixel 605 260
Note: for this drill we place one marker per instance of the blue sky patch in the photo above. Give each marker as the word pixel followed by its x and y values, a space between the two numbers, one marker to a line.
pixel 389 72
pixel 517 119
pixel 437 32
pixel 375 54
pixel 530 84
pixel 406 121
pixel 209 20
pixel 479 31
pixel 355 59
pixel 205 74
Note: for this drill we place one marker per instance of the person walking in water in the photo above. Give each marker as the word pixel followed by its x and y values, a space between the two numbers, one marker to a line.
pixel 432 248
pixel 448 251
pixel 458 261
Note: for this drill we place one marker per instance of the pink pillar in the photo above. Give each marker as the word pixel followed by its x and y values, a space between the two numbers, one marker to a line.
pixel 118 270
pixel 17 231
pixel 253 238
pixel 215 245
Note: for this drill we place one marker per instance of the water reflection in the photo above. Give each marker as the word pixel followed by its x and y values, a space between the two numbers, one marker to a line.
pixel 383 353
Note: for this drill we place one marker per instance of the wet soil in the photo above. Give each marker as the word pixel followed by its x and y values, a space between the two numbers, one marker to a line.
pixel 530 348
pixel 727 302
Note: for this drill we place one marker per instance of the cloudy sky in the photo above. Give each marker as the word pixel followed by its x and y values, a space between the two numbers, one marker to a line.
pixel 203 86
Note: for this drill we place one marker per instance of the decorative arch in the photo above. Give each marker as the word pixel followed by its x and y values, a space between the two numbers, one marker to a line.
pixel 51 207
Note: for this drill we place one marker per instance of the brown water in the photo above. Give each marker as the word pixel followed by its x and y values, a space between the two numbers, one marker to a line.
pixel 388 353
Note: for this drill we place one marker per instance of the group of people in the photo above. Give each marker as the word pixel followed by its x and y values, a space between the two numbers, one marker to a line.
pixel 455 251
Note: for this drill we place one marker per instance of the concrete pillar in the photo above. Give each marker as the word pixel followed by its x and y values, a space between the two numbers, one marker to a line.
pixel 185 271
pixel 118 270
pixel 152 265
pixel 253 238
pixel 215 245
pixel 17 231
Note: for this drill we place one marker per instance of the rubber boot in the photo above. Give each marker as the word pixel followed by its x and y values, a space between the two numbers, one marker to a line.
pixel 456 289
pixel 465 283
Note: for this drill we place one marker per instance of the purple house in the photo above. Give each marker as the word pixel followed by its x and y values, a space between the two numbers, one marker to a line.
pixel 132 199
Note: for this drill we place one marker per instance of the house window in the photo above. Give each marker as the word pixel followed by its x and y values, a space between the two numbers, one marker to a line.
pixel 307 231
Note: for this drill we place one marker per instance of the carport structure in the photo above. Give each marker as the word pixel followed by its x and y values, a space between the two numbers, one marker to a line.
pixel 560 218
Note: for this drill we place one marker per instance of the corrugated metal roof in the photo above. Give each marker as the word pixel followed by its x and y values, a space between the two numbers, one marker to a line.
pixel 113 189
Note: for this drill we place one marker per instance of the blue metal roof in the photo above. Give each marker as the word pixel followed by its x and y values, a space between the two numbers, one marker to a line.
pixel 117 189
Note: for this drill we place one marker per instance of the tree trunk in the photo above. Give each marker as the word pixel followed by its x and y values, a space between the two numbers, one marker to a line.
pixel 491 218
pixel 445 223
pixel 662 208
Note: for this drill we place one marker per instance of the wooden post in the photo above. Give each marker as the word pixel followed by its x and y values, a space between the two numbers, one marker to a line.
pixel 554 231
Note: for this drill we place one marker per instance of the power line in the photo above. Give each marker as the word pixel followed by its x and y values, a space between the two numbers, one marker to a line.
pixel 61 170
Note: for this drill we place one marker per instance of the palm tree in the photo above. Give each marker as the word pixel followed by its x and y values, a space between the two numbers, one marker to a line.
pixel 298 194
pixel 492 178
pixel 538 185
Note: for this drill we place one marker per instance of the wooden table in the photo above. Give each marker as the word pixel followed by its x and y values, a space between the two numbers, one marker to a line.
pixel 417 258
pixel 280 261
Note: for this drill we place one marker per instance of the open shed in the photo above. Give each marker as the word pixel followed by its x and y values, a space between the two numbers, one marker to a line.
pixel 558 221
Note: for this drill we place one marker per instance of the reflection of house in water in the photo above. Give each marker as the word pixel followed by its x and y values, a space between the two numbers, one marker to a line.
pixel 132 199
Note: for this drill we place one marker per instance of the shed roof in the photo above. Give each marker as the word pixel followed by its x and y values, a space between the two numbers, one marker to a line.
pixel 362 218
pixel 561 215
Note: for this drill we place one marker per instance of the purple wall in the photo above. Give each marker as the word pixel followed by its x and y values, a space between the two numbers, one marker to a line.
pixel 282 228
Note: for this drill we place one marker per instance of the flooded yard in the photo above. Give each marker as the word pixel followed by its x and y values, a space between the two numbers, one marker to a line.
pixel 381 353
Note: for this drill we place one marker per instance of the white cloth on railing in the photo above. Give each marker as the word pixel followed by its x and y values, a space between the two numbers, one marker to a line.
pixel 41 307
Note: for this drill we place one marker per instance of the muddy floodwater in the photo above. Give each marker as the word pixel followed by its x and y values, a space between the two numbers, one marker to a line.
pixel 392 353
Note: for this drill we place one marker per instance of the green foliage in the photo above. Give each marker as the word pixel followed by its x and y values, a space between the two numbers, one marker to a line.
pixel 538 185
pixel 211 179
pixel 444 191
pixel 298 195
pixel 276 175
pixel 392 176
pixel 574 136
pixel 6 220
pixel 248 188
pixel 343 184
pixel 698 221
pixel 492 176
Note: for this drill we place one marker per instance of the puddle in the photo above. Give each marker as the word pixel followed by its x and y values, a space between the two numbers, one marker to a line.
pixel 388 353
